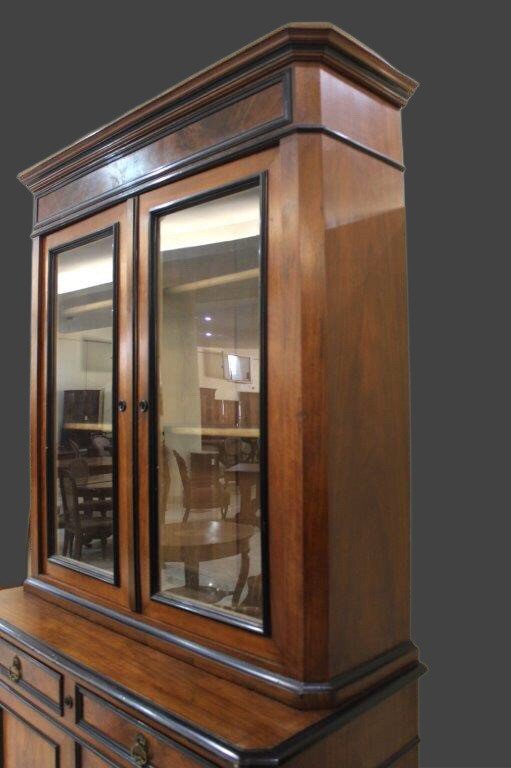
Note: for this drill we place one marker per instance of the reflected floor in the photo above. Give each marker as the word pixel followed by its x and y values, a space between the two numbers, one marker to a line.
pixel 220 574
pixel 92 554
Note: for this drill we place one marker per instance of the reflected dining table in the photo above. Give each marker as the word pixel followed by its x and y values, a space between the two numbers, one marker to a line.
pixel 97 465
pixel 98 487
pixel 202 540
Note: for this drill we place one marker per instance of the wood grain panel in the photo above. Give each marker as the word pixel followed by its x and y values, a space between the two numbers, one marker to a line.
pixel 409 760
pixel 185 690
pixel 24 746
pixel 99 719
pixel 35 678
pixel 235 120
pixel 369 740
pixel 324 99
pixel 276 651
pixel 29 739
pixel 360 115
pixel 368 405
pixel 121 216
pixel 89 759
pixel 119 688
pixel 317 42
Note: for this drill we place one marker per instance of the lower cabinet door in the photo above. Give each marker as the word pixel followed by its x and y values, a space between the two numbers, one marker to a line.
pixel 25 745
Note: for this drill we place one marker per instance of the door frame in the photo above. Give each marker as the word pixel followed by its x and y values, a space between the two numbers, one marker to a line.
pixel 279 645
pixel 120 590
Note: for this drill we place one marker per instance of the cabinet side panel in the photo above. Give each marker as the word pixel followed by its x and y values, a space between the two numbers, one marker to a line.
pixel 368 405
pixel 383 736
pixel 360 116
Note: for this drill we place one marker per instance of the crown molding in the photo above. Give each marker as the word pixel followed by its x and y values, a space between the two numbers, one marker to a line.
pixel 323 44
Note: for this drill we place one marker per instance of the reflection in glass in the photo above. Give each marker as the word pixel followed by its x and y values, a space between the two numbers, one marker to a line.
pixel 83 389
pixel 208 354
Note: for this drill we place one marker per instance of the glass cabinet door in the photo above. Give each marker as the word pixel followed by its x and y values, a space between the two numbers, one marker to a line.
pixel 208 388
pixel 84 440
pixel 87 419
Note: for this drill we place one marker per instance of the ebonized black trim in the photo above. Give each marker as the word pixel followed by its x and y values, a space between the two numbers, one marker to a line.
pixel 283 78
pixel 116 746
pixel 258 181
pixel 22 684
pixel 344 139
pixel 330 724
pixel 263 400
pixel 206 612
pixel 396 756
pixel 360 71
pixel 2 744
pixel 81 567
pixel 219 748
pixel 153 398
pixel 80 746
pixel 134 412
pixel 114 232
pixel 81 743
pixel 202 161
pixel 282 683
pixel 321 52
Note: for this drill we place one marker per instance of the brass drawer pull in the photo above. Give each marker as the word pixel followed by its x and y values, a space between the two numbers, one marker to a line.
pixel 15 670
pixel 140 750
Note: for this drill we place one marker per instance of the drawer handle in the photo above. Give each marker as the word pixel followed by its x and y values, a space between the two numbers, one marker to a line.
pixel 139 751
pixel 15 670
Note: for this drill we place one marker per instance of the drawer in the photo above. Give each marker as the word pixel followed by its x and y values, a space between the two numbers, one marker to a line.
pixel 86 758
pixel 31 676
pixel 129 738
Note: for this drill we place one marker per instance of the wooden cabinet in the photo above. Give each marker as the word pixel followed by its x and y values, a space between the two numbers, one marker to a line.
pixel 219 412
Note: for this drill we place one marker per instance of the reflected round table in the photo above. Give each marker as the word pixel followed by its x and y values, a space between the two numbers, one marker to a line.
pixel 194 542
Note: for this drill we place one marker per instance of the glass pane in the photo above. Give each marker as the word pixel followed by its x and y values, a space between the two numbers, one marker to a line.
pixel 208 354
pixel 83 445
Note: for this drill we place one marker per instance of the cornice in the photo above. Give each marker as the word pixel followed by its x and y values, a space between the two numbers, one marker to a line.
pixel 323 44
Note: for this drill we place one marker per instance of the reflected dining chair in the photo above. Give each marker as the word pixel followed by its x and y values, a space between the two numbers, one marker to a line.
pixel 203 493
pixel 80 525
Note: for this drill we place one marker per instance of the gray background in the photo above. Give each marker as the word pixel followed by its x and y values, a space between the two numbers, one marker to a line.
pixel 67 68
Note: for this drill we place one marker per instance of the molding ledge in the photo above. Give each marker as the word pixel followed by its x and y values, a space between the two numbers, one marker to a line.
pixel 300 42
pixel 298 693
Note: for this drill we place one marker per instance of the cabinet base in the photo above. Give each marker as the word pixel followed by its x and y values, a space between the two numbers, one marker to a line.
pixel 82 683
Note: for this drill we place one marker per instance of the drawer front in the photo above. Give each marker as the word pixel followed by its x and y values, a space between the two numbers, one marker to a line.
pixel 86 758
pixel 30 675
pixel 128 737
